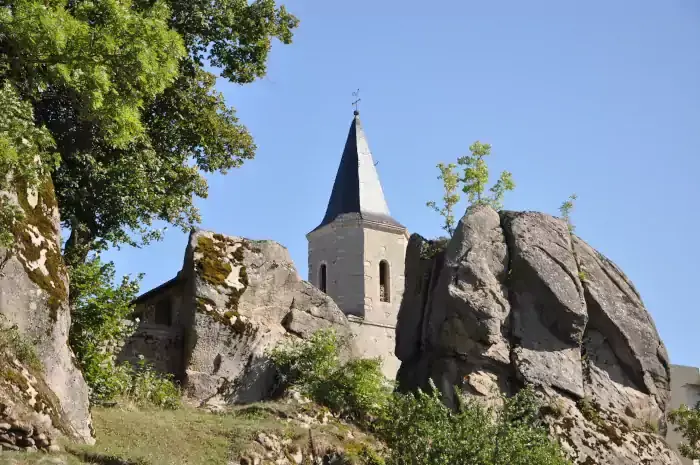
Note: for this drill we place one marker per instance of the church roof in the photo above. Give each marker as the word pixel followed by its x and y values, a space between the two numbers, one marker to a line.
pixel 357 191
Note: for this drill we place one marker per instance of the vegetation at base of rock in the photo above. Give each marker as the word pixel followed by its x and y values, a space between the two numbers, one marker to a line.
pixel 12 342
pixel 450 197
pixel 355 390
pixel 476 176
pixel 419 429
pixel 686 420
pixel 101 324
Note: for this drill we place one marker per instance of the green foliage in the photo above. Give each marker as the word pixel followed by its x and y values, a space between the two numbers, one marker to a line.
pixel 476 177
pixel 148 387
pixel 100 325
pixel 566 209
pixel 111 57
pixel 419 429
pixel 355 390
pixel 12 341
pixel 120 86
pixel 450 198
pixel 687 422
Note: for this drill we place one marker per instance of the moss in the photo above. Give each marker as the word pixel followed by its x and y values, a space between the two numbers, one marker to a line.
pixel 211 265
pixel 40 217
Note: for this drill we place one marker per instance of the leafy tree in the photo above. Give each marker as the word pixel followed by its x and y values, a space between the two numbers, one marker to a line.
pixel 476 177
pixel 100 325
pixel 121 86
pixel 565 210
pixel 419 430
pixel 687 422
pixel 450 198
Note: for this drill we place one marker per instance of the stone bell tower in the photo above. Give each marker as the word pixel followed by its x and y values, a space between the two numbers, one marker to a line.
pixel 356 254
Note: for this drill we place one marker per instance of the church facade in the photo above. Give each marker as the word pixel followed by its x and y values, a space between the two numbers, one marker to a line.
pixel 357 252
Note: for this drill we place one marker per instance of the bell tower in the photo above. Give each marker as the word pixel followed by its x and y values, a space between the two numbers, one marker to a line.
pixel 356 254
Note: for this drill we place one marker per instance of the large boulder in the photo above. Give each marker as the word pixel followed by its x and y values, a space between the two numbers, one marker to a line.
pixel 246 296
pixel 34 300
pixel 517 299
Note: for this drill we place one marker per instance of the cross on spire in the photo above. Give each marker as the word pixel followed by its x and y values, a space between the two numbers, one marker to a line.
pixel 356 103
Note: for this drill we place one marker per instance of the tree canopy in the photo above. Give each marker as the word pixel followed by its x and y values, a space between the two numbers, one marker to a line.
pixel 121 89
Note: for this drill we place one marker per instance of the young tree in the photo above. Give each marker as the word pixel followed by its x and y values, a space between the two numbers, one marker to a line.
pixel 450 198
pixel 687 422
pixel 566 209
pixel 476 176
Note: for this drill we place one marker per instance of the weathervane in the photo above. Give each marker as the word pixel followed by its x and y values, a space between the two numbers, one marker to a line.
pixel 357 102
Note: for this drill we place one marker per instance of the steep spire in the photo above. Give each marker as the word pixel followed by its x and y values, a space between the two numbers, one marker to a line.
pixel 357 189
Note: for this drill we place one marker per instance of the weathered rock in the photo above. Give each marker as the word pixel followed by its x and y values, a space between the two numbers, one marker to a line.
pixel 246 297
pixel 520 300
pixel 34 298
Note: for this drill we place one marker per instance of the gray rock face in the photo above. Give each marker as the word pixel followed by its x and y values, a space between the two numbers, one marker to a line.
pixel 247 296
pixel 34 298
pixel 516 299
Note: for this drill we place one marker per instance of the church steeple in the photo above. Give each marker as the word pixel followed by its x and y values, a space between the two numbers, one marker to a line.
pixel 357 190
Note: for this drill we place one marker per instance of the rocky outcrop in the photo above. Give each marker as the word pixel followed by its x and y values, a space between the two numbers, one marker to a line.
pixel 246 297
pixel 34 299
pixel 513 299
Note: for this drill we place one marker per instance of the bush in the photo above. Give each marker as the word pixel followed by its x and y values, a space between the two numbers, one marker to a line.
pixel 101 324
pixel 419 429
pixel 355 390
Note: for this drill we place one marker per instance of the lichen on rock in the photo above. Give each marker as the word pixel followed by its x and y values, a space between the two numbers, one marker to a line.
pixel 36 246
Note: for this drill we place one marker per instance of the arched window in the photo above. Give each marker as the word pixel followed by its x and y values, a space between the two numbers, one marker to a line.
pixel 322 277
pixel 384 282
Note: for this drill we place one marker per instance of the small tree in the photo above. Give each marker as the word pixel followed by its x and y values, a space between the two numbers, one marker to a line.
pixel 687 422
pixel 565 210
pixel 476 176
pixel 450 182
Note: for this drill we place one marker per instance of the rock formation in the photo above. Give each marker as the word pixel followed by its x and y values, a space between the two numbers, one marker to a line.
pixel 53 396
pixel 516 298
pixel 245 297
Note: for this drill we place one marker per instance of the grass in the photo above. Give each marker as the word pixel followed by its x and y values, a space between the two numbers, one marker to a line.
pixel 187 436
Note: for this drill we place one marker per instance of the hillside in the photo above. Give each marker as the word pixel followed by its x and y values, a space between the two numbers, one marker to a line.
pixel 276 431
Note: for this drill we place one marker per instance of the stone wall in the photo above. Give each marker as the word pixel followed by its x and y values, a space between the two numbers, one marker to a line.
pixel 159 336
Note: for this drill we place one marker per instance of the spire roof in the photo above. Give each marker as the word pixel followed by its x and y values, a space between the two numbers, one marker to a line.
pixel 357 190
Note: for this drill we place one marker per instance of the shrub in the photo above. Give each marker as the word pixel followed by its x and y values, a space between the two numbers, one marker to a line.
pixel 148 387
pixel 356 389
pixel 101 323
pixel 419 429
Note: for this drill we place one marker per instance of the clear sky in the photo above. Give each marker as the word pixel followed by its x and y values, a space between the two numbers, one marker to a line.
pixel 600 98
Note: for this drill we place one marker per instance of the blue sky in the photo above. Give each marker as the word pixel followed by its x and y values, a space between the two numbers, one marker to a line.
pixel 598 98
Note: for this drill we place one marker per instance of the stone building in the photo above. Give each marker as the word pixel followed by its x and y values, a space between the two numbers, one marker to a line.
pixel 356 256
pixel 685 389
pixel 357 252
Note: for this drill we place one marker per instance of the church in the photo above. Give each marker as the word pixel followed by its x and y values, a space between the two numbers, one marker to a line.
pixel 355 256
